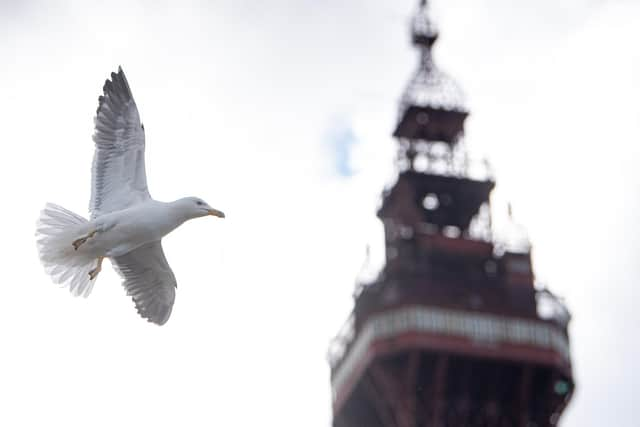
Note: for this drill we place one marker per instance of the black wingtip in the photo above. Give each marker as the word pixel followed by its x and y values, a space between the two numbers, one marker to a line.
pixel 116 89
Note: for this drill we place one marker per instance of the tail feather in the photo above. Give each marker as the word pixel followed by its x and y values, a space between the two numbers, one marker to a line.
pixel 56 229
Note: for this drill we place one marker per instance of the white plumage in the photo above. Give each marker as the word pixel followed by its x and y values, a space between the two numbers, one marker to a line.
pixel 126 224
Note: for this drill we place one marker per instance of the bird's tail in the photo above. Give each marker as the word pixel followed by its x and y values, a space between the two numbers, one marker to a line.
pixel 56 230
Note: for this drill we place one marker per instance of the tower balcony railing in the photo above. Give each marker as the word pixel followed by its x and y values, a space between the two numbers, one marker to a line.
pixel 341 342
pixel 552 307
pixel 548 330
pixel 488 330
pixel 439 158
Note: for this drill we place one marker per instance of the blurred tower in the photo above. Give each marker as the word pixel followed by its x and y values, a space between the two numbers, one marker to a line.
pixel 453 331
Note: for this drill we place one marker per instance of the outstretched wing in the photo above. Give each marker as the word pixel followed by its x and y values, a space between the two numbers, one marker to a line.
pixel 148 279
pixel 119 179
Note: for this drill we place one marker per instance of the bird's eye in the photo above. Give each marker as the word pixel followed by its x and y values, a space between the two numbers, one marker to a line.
pixel 199 203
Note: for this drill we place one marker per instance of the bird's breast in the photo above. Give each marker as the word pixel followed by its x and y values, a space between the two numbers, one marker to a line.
pixel 129 229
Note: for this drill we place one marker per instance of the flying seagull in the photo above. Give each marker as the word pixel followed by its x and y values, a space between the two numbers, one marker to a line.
pixel 126 224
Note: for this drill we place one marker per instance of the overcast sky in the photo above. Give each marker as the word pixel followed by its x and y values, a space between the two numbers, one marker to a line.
pixel 280 113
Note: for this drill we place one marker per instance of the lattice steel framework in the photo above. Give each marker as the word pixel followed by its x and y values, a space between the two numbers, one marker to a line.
pixel 453 331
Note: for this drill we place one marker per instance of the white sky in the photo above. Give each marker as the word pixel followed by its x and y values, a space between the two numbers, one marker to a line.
pixel 238 98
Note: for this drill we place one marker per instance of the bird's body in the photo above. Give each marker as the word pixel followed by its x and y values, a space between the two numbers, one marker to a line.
pixel 122 231
pixel 126 224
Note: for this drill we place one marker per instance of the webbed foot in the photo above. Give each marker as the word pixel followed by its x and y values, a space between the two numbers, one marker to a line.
pixel 79 242
pixel 94 273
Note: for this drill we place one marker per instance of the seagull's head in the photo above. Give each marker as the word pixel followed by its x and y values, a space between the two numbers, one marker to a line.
pixel 194 207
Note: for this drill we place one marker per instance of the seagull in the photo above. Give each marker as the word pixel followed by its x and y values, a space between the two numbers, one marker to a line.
pixel 126 224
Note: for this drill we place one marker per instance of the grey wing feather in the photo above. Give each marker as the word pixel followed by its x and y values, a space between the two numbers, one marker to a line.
pixel 148 279
pixel 118 174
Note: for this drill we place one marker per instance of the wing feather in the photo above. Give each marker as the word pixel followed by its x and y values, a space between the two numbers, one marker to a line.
pixel 148 279
pixel 118 174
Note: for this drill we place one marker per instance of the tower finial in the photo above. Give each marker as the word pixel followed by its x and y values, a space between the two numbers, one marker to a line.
pixel 423 30
pixel 431 92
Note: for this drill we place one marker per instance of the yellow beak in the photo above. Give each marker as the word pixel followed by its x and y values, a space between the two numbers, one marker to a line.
pixel 215 212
